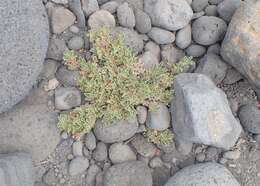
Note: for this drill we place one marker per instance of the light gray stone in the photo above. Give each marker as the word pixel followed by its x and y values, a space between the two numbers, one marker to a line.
pixel 93 170
pixel 159 119
pixel 161 36
pixel 31 127
pixel 199 5
pixel 154 48
pixel 76 8
pixel 16 169
pixel 24 39
pixel 143 22
pixel 61 19
pixel 141 114
pixel 195 50
pixel 131 38
pixel 215 49
pixel 90 141
pixel 110 6
pixel 100 153
pixel 211 10
pixel 210 174
pixel 119 153
pixel 212 66
pixel 227 8
pixel 241 45
pixel 201 112
pixel 76 43
pixel 77 148
pixel 67 77
pixel 101 18
pixel 56 49
pixel 176 13
pixel 134 173
pixel 183 37
pixel 125 15
pixel 49 68
pixel 232 155
pixel 89 6
pixel 115 132
pixel 249 116
pixel 67 98
pixel 208 30
pixel 78 166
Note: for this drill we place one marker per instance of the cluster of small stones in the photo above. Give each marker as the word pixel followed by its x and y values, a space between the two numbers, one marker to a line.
pixel 209 125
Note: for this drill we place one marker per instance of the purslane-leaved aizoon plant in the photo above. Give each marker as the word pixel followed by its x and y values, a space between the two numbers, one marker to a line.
pixel 114 83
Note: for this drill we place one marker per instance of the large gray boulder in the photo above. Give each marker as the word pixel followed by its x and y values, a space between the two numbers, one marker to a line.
pixel 133 173
pixel 30 127
pixel 208 174
pixel 16 169
pixel 241 46
pixel 24 36
pixel 169 14
pixel 201 113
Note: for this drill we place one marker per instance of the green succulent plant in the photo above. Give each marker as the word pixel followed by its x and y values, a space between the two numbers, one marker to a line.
pixel 114 83
pixel 164 137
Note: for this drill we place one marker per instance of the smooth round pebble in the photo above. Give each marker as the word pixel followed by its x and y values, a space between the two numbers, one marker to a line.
pixel 90 141
pixel 143 22
pixel 183 37
pixel 78 165
pixel 100 153
pixel 119 153
pixel 77 147
pixel 101 18
pixel 76 43
pixel 125 15
pixel 232 155
pixel 211 10
pixel 199 5
pixel 195 50
pixel 161 36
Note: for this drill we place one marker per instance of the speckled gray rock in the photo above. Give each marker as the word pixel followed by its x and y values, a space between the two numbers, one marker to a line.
pixel 215 2
pixel 195 50
pixel 214 49
pixel 161 36
pixel 67 77
pixel 183 37
pixel 89 6
pixel 31 127
pixel 78 165
pixel 23 46
pixel 210 174
pixel 76 43
pixel 249 116
pixel 90 141
pixel 171 53
pixel 143 22
pixel 201 112
pixel 199 5
pixel 100 153
pixel 110 6
pixel 61 19
pixel 125 15
pixel 212 66
pixel 101 18
pixel 211 10
pixel 241 45
pixel 56 49
pixel 227 8
pixel 176 13
pixel 134 173
pixel 208 30
pixel 159 119
pixel 119 153
pixel 67 98
pixel 75 7
pixel 16 169
pixel 131 38
pixel 115 132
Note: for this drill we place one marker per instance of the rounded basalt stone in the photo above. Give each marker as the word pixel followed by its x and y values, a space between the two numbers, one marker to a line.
pixel 24 36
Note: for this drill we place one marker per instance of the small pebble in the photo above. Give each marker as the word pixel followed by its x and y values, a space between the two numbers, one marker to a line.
pixel 74 29
pixel 200 157
pixel 77 148
pixel 52 84
pixel 64 135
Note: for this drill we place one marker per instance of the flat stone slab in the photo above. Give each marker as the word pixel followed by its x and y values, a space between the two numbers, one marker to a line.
pixel 30 127
pixel 24 35
pixel 16 169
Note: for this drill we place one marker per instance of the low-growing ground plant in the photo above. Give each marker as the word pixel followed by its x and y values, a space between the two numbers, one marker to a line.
pixel 114 83
pixel 159 137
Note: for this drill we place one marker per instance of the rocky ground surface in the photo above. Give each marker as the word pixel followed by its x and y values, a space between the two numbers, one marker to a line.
pixel 215 114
